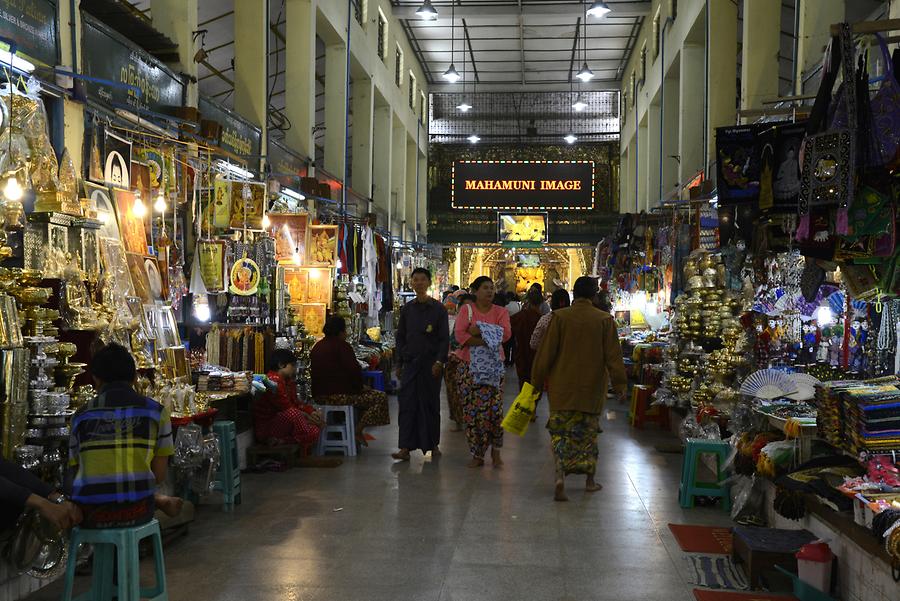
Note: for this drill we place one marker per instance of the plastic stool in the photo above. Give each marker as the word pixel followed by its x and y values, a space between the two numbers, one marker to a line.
pixel 228 478
pixel 338 435
pixel 375 379
pixel 643 412
pixel 690 488
pixel 121 543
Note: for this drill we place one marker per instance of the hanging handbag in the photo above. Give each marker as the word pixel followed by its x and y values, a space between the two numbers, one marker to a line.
pixel 829 157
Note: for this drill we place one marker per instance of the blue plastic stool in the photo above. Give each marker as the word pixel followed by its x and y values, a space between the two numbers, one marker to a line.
pixel 338 435
pixel 228 478
pixel 375 379
pixel 121 544
pixel 690 488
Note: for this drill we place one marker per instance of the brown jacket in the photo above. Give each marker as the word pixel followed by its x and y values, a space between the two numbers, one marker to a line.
pixel 580 348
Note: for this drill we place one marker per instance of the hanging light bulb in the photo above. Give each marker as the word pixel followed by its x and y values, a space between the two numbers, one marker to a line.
pixel 160 205
pixel 13 189
pixel 451 74
pixel 201 308
pixel 266 222
pixel 474 139
pixel 400 264
pixel 579 105
pixel 339 264
pixel 139 209
pixel 427 12
pixel 571 139
pixel 599 10
pixel 585 74
pixel 464 106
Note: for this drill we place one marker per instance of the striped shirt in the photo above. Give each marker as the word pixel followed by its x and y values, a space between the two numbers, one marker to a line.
pixel 114 439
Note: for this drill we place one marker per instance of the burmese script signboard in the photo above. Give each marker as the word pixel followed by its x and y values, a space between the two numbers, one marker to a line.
pixel 31 24
pixel 521 185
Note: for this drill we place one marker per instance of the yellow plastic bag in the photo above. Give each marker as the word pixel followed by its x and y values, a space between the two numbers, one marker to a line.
pixel 518 418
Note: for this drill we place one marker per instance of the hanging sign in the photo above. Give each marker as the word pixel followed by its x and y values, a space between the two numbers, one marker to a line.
pixel 109 56
pixel 237 135
pixel 516 185
pixel 31 24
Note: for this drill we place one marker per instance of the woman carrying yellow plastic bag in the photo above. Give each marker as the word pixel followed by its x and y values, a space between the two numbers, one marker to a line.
pixel 518 418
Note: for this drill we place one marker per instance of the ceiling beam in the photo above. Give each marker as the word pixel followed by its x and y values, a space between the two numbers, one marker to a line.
pixel 561 85
pixel 630 8
pixel 471 53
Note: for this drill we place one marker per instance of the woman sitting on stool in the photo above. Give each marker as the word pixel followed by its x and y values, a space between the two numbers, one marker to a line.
pixel 337 379
pixel 278 415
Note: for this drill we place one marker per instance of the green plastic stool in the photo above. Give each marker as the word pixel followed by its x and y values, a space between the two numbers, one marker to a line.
pixel 120 545
pixel 228 478
pixel 690 488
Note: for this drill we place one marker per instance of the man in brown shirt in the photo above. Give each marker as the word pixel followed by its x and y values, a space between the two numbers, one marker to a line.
pixel 578 356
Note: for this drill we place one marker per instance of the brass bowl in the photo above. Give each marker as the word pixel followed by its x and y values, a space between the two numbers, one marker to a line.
pixel 34 296
pixel 64 350
pixel 30 277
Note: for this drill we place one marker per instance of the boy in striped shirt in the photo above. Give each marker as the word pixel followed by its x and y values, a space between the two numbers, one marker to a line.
pixel 120 446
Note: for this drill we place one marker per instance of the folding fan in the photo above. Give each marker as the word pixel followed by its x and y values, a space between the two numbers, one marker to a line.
pixel 768 384
pixel 806 386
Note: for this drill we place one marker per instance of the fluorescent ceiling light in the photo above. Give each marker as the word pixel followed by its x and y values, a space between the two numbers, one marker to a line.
pixel 474 139
pixel 427 11
pixel 16 62
pixel 233 169
pixel 585 74
pixel 570 139
pixel 599 10
pixel 464 106
pixel 579 105
pixel 451 74
pixel 293 194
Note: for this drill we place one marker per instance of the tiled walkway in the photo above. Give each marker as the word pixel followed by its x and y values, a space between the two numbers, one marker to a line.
pixel 375 530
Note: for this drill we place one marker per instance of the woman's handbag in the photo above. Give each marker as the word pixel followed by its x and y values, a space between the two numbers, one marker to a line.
pixel 829 157
pixel 519 416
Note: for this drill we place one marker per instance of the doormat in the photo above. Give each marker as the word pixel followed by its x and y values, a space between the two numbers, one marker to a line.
pixel 716 572
pixel 702 539
pixel 707 595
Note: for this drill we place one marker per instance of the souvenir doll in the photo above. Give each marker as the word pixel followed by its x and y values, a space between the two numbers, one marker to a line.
pixel 855 350
pixel 824 338
pixel 808 344
pixel 835 345
pixel 762 346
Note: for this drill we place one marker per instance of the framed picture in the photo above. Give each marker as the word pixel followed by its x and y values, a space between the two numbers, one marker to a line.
pixel 140 181
pixel 318 287
pixel 212 264
pixel 117 161
pixel 139 278
pixel 313 317
pixel 289 232
pixel 296 281
pixel 247 212
pixel 160 319
pixel 220 209
pixel 112 253
pixel 244 277
pixel 101 198
pixel 154 278
pixel 132 227
pixel 155 162
pixel 522 227
pixel 322 245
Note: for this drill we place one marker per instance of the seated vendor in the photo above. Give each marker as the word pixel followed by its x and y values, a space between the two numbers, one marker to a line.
pixel 337 379
pixel 120 446
pixel 278 415
pixel 20 489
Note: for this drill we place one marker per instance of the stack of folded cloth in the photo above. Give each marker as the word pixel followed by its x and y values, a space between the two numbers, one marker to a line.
pixel 867 417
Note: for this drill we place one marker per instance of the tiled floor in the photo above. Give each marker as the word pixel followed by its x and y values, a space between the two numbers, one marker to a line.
pixel 375 530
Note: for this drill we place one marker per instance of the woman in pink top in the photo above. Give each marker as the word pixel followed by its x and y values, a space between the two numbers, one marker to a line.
pixel 482 405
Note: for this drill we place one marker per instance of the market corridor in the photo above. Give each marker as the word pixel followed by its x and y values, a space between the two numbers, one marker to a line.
pixel 373 530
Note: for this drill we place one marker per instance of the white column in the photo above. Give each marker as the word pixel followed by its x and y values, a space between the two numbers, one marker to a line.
pixel 363 109
pixel 690 130
pixel 381 157
pixel 398 177
pixel 759 54
pixel 816 19
pixel 251 65
pixel 654 155
pixel 642 167
pixel 671 125
pixel 423 196
pixel 335 108
pixel 300 75
pixel 73 112
pixel 722 70
pixel 177 19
